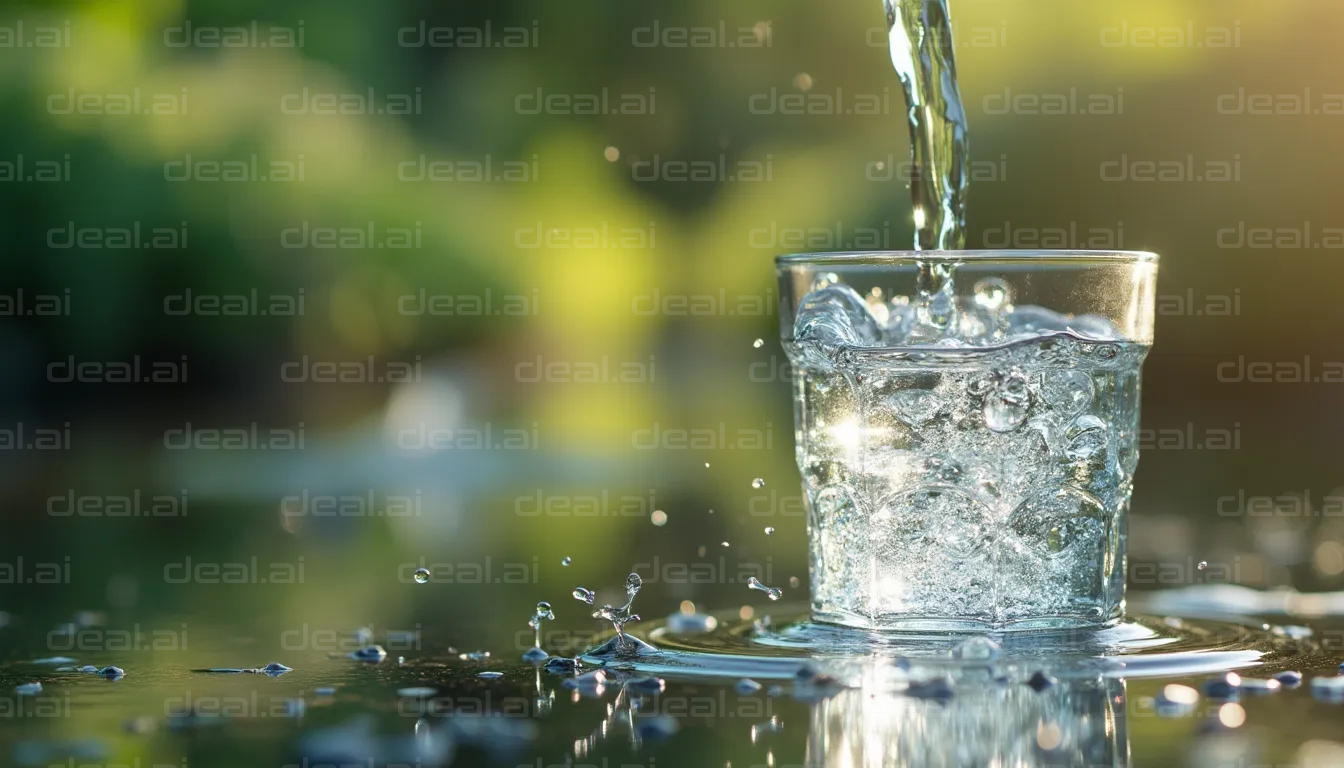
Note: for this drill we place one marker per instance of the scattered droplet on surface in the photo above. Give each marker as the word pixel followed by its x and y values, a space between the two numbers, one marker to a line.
pixel 976 648
pixel 647 684
pixel 1224 687
pixel 1039 681
pixel 373 653
pixel 421 575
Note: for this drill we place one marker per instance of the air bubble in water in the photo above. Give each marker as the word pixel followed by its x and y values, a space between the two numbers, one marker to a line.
pixel 992 294
pixel 773 593
pixel 758 483
pixel 1007 401
pixel 421 575
pixel 584 595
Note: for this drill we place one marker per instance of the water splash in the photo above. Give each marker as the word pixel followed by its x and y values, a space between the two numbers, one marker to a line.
pixel 542 613
pixel 621 616
pixel 774 593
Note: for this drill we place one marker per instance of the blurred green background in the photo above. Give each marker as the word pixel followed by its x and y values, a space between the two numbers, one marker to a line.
pixel 586 247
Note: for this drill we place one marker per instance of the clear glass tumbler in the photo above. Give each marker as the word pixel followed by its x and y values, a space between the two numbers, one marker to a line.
pixel 965 425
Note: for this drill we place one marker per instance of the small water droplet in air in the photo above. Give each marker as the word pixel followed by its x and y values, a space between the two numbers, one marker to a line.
pixel 421 575
pixel 584 595
pixel 706 465
pixel 758 343
pixel 773 593
pixel 803 81
pixel 769 530
pixel 567 561
pixel 612 154
pixel 658 518
pixel 701 550
pixel 725 544
pixel 793 582
pixel 758 483
pixel 1203 564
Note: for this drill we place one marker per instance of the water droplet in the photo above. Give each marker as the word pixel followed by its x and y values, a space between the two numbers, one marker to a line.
pixel 1203 564
pixel 701 551
pixel 769 530
pixel 658 518
pixel 421 575
pixel 758 343
pixel 725 544
pixel 612 154
pixel 793 582
pixel 773 593
pixel 803 81
pixel 584 595
pixel 706 465
pixel 566 561
pixel 758 483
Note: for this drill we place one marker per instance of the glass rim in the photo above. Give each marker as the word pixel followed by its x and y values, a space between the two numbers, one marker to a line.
pixel 1007 256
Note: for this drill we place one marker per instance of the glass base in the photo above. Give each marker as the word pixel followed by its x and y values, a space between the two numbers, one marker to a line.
pixel 943 624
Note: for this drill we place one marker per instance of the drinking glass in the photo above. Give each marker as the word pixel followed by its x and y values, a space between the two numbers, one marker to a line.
pixel 965 426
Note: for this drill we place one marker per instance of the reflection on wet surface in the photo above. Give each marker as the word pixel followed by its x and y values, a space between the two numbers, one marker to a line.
pixel 764 692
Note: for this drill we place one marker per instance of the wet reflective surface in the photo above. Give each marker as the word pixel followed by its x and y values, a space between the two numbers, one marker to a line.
pixel 750 692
